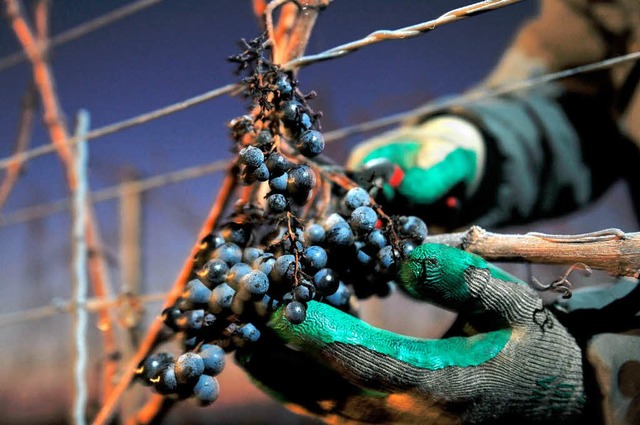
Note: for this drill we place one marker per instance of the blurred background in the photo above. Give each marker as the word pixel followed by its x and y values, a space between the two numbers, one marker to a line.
pixel 166 52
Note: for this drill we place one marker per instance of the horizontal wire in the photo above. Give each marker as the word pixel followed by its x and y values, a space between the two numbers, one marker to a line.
pixel 474 96
pixel 401 33
pixel 43 210
pixel 229 88
pixel 121 125
pixel 82 30
pixel 58 306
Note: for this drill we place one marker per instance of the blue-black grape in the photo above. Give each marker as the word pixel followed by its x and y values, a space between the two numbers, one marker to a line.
pixel 340 236
pixel 413 228
pixel 213 240
pixel 221 297
pixel 406 247
pixel 247 333
pixel 290 112
pixel 266 306
pixel 340 298
pixel 301 180
pixel 332 220
pixel 279 183
pixel 236 233
pixel 214 358
pixel 315 258
pixel 294 117
pixel 206 390
pixel 277 203
pixel 255 284
pixel 304 292
pixel 192 319
pixel 356 197
pixel 167 383
pixel 264 137
pixel 261 173
pixel 209 319
pixel 310 143
pixel 363 219
pixel 326 281
pixel 295 312
pixel 376 240
pixel 251 253
pixel 196 292
pixel 284 88
pixel 288 245
pixel 236 273
pixel 363 257
pixel 277 164
pixel 314 234
pixel 251 156
pixel 188 368
pixel 228 252
pixel 387 258
pixel 264 263
pixel 189 340
pixel 215 271
pixel 153 366
pixel 171 317
pixel 283 268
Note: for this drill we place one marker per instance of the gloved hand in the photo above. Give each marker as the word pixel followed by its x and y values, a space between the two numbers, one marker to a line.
pixel 443 155
pixel 524 367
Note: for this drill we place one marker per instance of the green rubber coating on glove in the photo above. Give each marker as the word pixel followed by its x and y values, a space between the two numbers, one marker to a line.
pixel 427 185
pixel 402 153
pixel 436 273
pixel 325 325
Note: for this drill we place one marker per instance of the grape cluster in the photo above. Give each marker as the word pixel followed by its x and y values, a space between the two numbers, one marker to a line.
pixel 308 238
pixel 190 375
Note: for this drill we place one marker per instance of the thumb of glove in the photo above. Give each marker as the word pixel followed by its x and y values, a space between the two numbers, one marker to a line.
pixel 437 156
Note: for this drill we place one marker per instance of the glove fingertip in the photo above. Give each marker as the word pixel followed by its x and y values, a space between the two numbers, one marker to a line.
pixel 314 331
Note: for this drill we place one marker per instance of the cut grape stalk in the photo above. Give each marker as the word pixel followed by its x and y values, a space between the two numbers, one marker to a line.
pixel 317 236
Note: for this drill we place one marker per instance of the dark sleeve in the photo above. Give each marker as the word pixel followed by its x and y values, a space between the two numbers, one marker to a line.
pixel 555 149
pixel 548 154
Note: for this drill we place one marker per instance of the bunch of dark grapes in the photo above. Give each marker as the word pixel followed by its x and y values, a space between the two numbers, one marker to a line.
pixel 303 237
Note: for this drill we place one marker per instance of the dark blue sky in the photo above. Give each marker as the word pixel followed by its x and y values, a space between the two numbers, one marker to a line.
pixel 173 51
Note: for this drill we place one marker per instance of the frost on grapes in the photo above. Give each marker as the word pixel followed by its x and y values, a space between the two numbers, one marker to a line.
pixel 301 231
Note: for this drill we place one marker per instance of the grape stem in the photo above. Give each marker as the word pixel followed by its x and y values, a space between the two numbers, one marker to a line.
pixel 294 247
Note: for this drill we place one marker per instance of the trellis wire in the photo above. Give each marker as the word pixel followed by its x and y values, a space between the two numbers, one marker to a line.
pixel 43 210
pixel 401 33
pixel 61 306
pixel 82 30
pixel 336 134
pixel 477 95
pixel 122 125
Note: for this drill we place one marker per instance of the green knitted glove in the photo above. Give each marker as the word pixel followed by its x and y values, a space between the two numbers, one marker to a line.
pixel 437 156
pixel 523 368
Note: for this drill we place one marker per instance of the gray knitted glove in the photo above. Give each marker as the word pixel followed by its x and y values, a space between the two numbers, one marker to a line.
pixel 523 367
